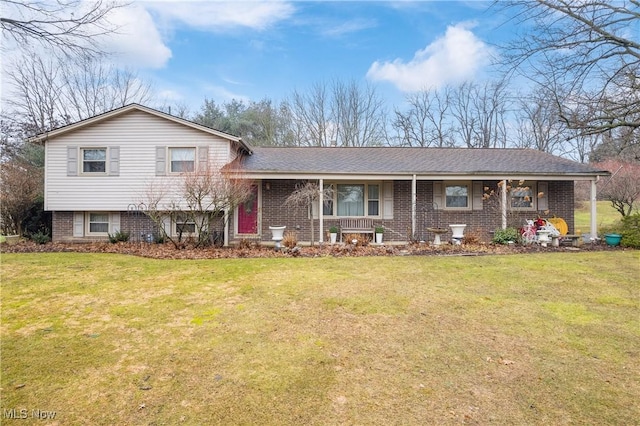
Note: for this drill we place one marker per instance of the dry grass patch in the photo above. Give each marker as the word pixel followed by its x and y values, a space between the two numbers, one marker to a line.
pixel 525 339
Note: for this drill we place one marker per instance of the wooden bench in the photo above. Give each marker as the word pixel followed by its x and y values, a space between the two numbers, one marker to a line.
pixel 353 225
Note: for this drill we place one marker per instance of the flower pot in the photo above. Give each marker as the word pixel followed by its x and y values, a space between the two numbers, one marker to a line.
pixel 612 239
pixel 333 236
pixel 379 237
pixel 543 237
pixel 458 233
pixel 277 234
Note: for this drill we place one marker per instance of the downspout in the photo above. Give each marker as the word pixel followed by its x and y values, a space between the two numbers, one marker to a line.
pixel 413 205
pixel 321 211
pixel 594 227
pixel 503 207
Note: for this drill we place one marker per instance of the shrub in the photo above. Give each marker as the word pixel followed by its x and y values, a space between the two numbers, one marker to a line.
pixel 289 240
pixel 379 229
pixel 503 236
pixel 119 236
pixel 41 237
pixel 630 231
pixel 333 230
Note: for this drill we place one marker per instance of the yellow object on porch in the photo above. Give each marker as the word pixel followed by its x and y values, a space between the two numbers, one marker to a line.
pixel 560 225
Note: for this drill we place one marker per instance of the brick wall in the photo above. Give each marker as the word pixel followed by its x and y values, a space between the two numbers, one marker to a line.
pixel 480 223
pixel 61 226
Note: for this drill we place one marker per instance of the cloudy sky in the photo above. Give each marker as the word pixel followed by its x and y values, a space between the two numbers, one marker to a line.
pixel 192 50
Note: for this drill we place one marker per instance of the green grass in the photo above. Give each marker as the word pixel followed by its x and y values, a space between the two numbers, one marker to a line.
pixel 606 216
pixel 521 339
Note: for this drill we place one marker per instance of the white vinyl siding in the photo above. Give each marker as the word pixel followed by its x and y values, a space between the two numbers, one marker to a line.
pixel 137 136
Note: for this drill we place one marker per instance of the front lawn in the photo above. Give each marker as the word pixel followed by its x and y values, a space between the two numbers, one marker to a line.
pixel 541 338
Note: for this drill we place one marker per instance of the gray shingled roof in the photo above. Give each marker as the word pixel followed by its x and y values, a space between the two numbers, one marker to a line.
pixel 395 160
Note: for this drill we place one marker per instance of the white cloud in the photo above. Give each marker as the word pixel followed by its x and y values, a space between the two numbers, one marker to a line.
pixel 349 27
pixel 453 58
pixel 221 15
pixel 137 42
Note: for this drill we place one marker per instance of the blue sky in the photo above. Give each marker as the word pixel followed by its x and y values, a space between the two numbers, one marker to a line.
pixel 192 50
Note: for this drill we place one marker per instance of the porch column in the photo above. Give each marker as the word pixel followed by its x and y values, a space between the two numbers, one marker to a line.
pixel 321 210
pixel 226 228
pixel 413 205
pixel 594 226
pixel 503 207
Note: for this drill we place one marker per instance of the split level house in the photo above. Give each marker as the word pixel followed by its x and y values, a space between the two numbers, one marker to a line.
pixel 101 174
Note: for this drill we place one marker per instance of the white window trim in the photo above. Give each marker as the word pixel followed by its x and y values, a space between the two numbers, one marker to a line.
pixel 534 196
pixel 366 184
pixel 88 224
pixel 169 162
pixel 106 160
pixel 174 228
pixel 468 184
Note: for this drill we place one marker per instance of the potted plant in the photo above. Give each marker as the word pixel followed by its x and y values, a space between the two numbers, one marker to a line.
pixel 333 234
pixel 379 233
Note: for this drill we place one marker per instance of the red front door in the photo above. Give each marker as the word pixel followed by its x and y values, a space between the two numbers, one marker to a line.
pixel 248 214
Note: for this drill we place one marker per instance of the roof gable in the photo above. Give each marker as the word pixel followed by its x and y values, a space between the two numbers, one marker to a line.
pixel 136 107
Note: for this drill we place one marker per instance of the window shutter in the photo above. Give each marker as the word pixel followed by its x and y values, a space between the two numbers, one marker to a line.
pixel 114 222
pixel 387 200
pixel 438 199
pixel 203 159
pixel 78 224
pixel 114 161
pixel 72 161
pixel 161 161
pixel 477 195
pixel 543 202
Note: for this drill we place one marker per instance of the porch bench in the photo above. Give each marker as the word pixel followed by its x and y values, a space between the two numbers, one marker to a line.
pixel 359 225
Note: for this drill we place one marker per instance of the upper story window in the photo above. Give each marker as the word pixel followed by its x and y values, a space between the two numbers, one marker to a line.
pixel 94 160
pixel 457 195
pixel 182 160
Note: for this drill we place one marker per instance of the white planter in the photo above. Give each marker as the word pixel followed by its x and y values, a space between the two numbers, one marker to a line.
pixel 457 231
pixel 333 236
pixel 277 234
pixel 543 237
pixel 379 237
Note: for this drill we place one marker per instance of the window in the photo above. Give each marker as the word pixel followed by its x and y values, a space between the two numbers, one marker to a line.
pixel 373 203
pixel 182 159
pixel 355 199
pixel 523 196
pixel 94 160
pixel 98 223
pixel 327 207
pixel 185 226
pixel 457 196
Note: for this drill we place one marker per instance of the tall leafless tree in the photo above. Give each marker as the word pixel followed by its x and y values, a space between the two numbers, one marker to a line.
pixel 426 122
pixel 590 49
pixel 68 26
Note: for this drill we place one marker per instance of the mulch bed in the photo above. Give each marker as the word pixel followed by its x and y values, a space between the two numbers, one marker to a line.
pixel 168 251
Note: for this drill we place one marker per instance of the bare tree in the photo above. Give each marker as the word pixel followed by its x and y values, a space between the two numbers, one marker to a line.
pixel 538 123
pixel 478 114
pixel 427 120
pixel 305 195
pixel 341 114
pixel 622 188
pixel 580 46
pixel 68 26
pixel 195 201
